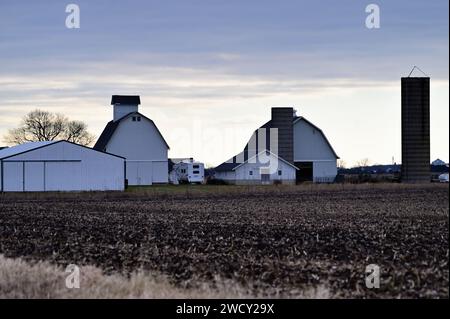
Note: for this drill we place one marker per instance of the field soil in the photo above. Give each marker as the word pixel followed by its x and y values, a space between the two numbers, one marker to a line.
pixel 269 241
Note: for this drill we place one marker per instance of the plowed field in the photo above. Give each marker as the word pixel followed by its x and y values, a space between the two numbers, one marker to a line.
pixel 276 241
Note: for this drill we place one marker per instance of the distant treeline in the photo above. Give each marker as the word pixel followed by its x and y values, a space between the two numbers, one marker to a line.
pixel 387 169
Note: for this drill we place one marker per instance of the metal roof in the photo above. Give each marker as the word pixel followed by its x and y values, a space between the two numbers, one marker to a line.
pixel 18 149
pixel 106 135
pixel 126 99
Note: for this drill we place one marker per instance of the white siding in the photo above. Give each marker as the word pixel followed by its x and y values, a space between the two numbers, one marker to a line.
pixel 311 146
pixel 137 141
pixel 146 172
pixel 122 110
pixel 324 171
pixel 145 150
pixel 34 176
pixel 63 166
pixel 67 176
pixel 241 174
pixel 13 177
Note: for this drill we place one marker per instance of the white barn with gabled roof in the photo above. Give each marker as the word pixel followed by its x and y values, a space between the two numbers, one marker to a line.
pixel 59 166
pixel 134 136
pixel 297 142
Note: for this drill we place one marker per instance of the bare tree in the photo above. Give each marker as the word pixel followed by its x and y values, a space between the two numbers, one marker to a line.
pixel 341 163
pixel 363 162
pixel 76 131
pixel 41 125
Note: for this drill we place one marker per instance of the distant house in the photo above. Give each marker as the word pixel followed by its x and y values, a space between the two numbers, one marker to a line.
pixel 134 136
pixel 302 152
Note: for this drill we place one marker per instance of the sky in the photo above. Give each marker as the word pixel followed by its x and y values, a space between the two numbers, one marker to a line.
pixel 208 72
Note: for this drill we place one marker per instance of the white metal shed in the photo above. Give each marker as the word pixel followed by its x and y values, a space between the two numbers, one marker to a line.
pixel 59 166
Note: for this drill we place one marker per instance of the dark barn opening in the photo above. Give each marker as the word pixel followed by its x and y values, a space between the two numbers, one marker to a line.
pixel 304 172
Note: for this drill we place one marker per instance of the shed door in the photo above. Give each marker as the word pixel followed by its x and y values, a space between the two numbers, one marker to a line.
pixel 34 176
pixel 64 176
pixel 13 176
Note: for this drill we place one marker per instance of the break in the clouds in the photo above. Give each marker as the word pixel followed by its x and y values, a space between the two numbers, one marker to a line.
pixel 221 65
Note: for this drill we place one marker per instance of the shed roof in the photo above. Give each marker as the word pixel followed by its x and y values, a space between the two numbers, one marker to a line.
pixel 27 147
pixel 18 149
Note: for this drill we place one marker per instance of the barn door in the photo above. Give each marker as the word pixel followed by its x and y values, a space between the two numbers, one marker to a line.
pixel 265 178
pixel 72 173
pixel 305 172
pixel 34 177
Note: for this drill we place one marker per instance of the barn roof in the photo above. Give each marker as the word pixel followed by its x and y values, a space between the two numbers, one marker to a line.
pixel 126 99
pixel 106 135
pixel 233 163
pixel 22 148
pixel 111 127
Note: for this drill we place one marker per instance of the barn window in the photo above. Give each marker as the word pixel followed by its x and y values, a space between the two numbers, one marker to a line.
pixel 279 173
pixel 138 118
pixel 134 118
pixel 250 173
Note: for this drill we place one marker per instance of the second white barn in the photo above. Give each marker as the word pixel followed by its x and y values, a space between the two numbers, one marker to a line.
pixel 134 136
pixel 299 143
pixel 59 166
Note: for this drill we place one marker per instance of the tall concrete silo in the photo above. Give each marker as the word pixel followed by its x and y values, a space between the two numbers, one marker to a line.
pixel 415 130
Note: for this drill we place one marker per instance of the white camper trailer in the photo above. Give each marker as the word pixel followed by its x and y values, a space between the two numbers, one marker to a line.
pixel 443 178
pixel 187 171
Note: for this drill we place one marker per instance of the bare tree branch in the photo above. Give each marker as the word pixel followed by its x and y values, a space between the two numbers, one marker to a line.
pixel 41 125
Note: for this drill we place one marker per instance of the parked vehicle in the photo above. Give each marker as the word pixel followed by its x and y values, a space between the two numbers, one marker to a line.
pixel 443 178
pixel 187 171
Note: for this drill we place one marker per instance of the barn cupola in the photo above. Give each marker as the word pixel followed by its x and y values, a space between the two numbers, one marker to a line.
pixel 124 104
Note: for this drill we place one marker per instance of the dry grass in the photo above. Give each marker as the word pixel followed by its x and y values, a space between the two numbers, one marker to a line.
pixel 42 280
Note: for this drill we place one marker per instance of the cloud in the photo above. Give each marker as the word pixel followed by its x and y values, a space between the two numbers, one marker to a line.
pixel 225 63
